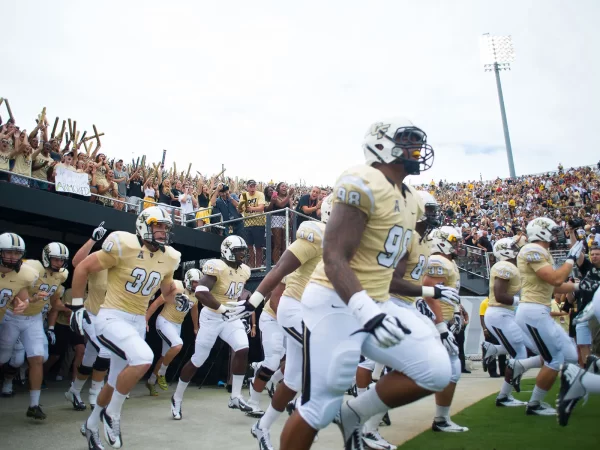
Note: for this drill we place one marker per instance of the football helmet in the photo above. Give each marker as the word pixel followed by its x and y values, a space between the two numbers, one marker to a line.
pixel 191 276
pixel 431 215
pixel 11 242
pixel 326 207
pixel 144 226
pixel 229 249
pixel 506 249
pixel 398 141
pixel 446 240
pixel 58 251
pixel 542 229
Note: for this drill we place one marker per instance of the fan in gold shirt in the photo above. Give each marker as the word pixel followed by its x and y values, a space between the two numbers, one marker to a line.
pixel 138 265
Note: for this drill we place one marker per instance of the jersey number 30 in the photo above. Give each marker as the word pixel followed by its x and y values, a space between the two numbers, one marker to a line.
pixel 142 281
pixel 395 246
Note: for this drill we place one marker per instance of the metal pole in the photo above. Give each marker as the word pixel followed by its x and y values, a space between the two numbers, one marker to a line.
pixel 511 164
pixel 287 227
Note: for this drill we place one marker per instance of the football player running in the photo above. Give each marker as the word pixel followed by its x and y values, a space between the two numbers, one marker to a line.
pixel 445 244
pixel 223 281
pixel 345 307
pixel 405 288
pixel 138 264
pixel 499 318
pixel 15 283
pixel 168 327
pixel 51 273
pixel 539 281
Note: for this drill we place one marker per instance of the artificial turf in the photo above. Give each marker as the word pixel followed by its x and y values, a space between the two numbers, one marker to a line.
pixel 493 428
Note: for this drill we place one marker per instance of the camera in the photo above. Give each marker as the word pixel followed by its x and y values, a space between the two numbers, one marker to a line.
pixel 225 188
pixel 576 223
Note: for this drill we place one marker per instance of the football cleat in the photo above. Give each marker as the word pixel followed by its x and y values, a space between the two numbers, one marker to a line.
pixel 112 429
pixel 162 382
pixel 385 421
pixel 570 392
pixel 36 412
pixel 352 391
pixel 176 408
pixel 350 426
pixel 152 389
pixel 540 409
pixel 7 389
pixel 262 436
pixel 75 400
pixel 256 411
pixel 517 372
pixel 239 403
pixel 509 401
pixel 592 364
pixel 92 437
pixel 446 425
pixel 375 441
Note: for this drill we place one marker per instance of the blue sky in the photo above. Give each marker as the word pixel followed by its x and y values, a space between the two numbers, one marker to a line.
pixel 281 90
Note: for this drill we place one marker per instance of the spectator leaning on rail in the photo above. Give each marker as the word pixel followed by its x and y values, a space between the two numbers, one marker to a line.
pixel 252 203
pixel 226 204
pixel 309 205
pixel 121 178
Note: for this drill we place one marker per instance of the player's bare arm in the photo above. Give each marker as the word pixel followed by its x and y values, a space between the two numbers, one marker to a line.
pixel 21 301
pixel 342 238
pixel 501 294
pixel 401 286
pixel 57 305
pixel 157 303
pixel 168 290
pixel 91 264
pixel 286 265
pixel 434 304
pixel 203 292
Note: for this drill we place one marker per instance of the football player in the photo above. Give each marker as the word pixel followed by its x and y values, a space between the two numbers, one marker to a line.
pixel 49 276
pixel 539 281
pixel 405 288
pixel 499 318
pixel 223 281
pixel 445 244
pixel 96 357
pixel 138 264
pixel 345 307
pixel 168 327
pixel 296 265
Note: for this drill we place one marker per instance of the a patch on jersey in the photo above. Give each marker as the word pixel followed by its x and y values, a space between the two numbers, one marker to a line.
pixel 379 129
pixel 533 257
pixel 505 274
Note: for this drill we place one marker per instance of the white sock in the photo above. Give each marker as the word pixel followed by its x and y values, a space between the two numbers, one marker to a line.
pixel 442 412
pixel 360 390
pixel 181 387
pixel 7 386
pixel 236 385
pixel 116 404
pixel 152 379
pixel 505 390
pixel 93 421
pixel 34 398
pixel 277 377
pixel 96 386
pixel 162 370
pixel 267 421
pixel 77 386
pixel 372 424
pixel 537 395
pixel 591 382
pixel 533 362
pixel 367 405
pixel 254 396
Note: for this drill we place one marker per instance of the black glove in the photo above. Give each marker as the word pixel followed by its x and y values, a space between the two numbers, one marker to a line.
pixel 99 232
pixel 456 323
pixel 76 321
pixel 182 303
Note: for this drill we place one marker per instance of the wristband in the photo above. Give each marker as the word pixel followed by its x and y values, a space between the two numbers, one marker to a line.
pixel 256 299
pixel 428 291
pixel 442 327
pixel 515 301
pixel 201 288
pixel 575 287
pixel 51 328
pixel 222 309
pixel 570 261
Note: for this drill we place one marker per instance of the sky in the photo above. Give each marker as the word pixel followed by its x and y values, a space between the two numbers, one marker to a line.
pixel 286 90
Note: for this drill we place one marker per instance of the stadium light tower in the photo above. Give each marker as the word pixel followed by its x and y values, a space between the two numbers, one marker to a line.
pixel 496 54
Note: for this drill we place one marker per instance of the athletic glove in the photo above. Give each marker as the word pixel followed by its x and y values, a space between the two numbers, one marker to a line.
pixel 387 330
pixel 182 303
pixel 447 339
pixel 99 232
pixel 443 293
pixel 424 309
pixel 237 310
pixel 456 323
pixel 76 321
pixel 51 336
pixel 574 252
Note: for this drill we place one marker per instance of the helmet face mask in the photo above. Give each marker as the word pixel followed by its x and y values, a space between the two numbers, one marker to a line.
pixel 154 226
pixel 542 229
pixel 506 249
pixel 448 241
pixel 234 250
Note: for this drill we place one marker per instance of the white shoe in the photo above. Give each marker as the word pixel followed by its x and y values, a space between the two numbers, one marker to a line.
pixel 375 441
pixel 509 400
pixel 540 409
pixel 446 425
pixel 92 437
pixel 262 436
pixel 112 429
pixel 256 411
pixel 75 400
pixel 570 392
pixel 176 408
pixel 239 403
pixel 517 372
pixel 350 426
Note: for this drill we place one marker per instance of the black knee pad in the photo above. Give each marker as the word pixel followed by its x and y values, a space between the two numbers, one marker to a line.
pixel 84 370
pixel 9 370
pixel 102 364
pixel 264 374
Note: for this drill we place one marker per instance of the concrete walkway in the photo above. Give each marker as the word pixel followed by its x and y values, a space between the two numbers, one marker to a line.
pixel 207 421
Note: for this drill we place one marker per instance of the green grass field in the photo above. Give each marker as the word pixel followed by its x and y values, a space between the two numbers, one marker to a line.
pixel 493 428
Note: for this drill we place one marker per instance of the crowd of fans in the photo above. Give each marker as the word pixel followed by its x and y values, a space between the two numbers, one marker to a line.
pixel 485 210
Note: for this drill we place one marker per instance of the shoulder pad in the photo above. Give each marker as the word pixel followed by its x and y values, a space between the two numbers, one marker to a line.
pixel 356 187
pixel 311 231
pixel 213 267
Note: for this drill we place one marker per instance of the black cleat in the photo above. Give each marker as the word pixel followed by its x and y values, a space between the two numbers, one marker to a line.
pixel 36 412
